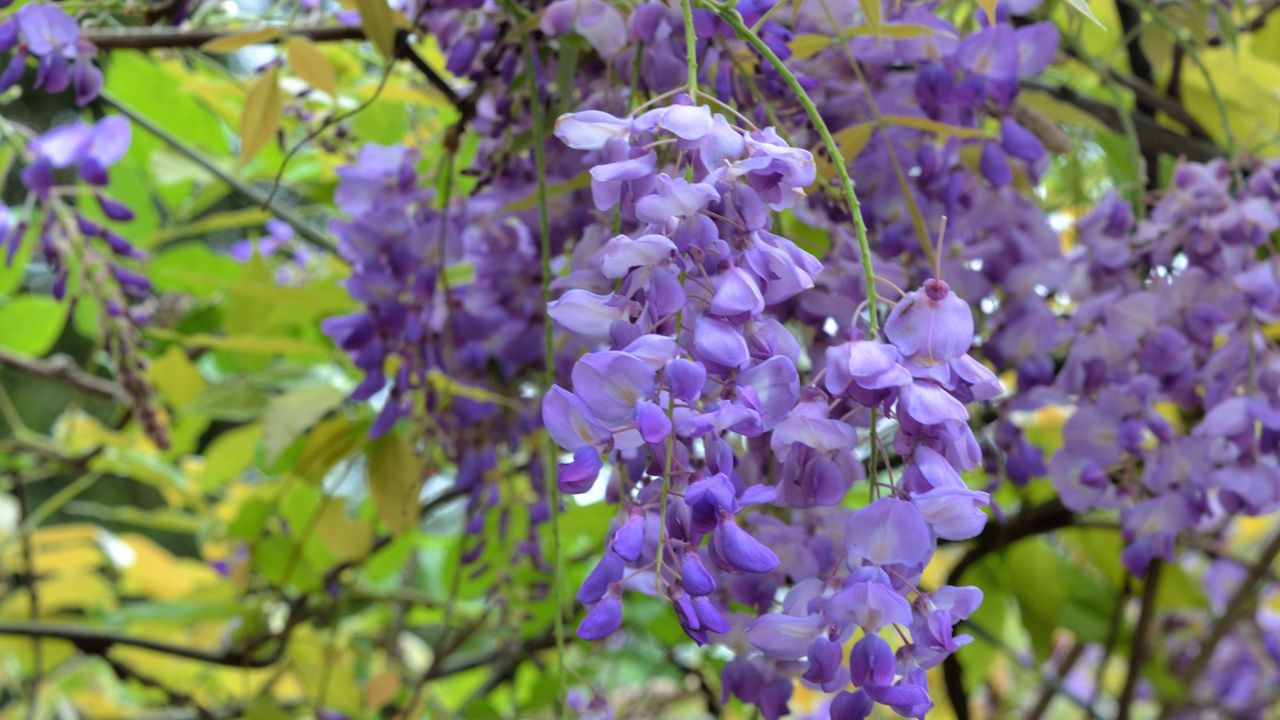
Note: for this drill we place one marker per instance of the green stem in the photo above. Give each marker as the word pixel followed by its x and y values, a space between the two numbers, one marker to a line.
pixel 548 378
pixel 734 20
pixel 690 49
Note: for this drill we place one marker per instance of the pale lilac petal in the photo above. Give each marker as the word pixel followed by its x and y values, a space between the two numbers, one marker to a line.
pixel 569 421
pixel 888 532
pixel 611 383
pixel 586 313
pixel 784 637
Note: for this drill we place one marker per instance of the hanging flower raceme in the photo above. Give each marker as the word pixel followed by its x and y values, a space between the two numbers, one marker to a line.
pixel 694 398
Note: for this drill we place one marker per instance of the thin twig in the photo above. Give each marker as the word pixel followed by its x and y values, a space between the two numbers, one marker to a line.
pixel 328 123
pixel 306 230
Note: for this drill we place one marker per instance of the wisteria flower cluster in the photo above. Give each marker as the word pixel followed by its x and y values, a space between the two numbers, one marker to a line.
pixel 697 403
pixel 64 59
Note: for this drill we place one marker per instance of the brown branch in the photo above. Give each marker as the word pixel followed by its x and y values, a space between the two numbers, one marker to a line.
pixel 1037 520
pixel 136 38
pixel 1257 23
pixel 61 368
pixel 1152 136
pixel 97 641
pixel 1141 646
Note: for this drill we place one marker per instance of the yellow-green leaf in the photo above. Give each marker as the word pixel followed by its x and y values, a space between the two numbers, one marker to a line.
pixel 308 63
pixel 379 25
pixel 235 41
pixel 853 138
pixel 806 45
pixel 897 31
pixel 871 11
pixel 176 378
pixel 253 344
pixel 990 7
pixel 261 116
pixel 395 477
pixel 933 126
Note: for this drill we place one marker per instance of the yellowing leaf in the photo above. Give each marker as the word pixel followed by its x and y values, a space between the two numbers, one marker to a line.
pixel 154 572
pixel 395 477
pixel 379 25
pixel 235 41
pixel 261 116
pixel 308 63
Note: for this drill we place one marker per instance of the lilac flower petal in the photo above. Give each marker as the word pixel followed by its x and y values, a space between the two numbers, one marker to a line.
pixel 888 532
pixel 784 637
pixel 577 477
pixel 718 342
pixel 603 619
pixel 569 421
pixel 611 383
pixel 652 422
pixel 586 313
pixel 741 549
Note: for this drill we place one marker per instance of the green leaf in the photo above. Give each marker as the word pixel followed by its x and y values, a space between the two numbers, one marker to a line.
pixel 379 25
pixel 1040 588
pixel 31 324
pixel 261 116
pixel 395 477
pixel 230 455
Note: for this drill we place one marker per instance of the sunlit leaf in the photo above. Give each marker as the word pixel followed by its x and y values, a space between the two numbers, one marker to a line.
pixel 291 414
pixel 308 63
pixel 1082 6
pixel 871 11
pixel 933 126
pixel 395 477
pixel 379 25
pixel 261 116
pixel 177 379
